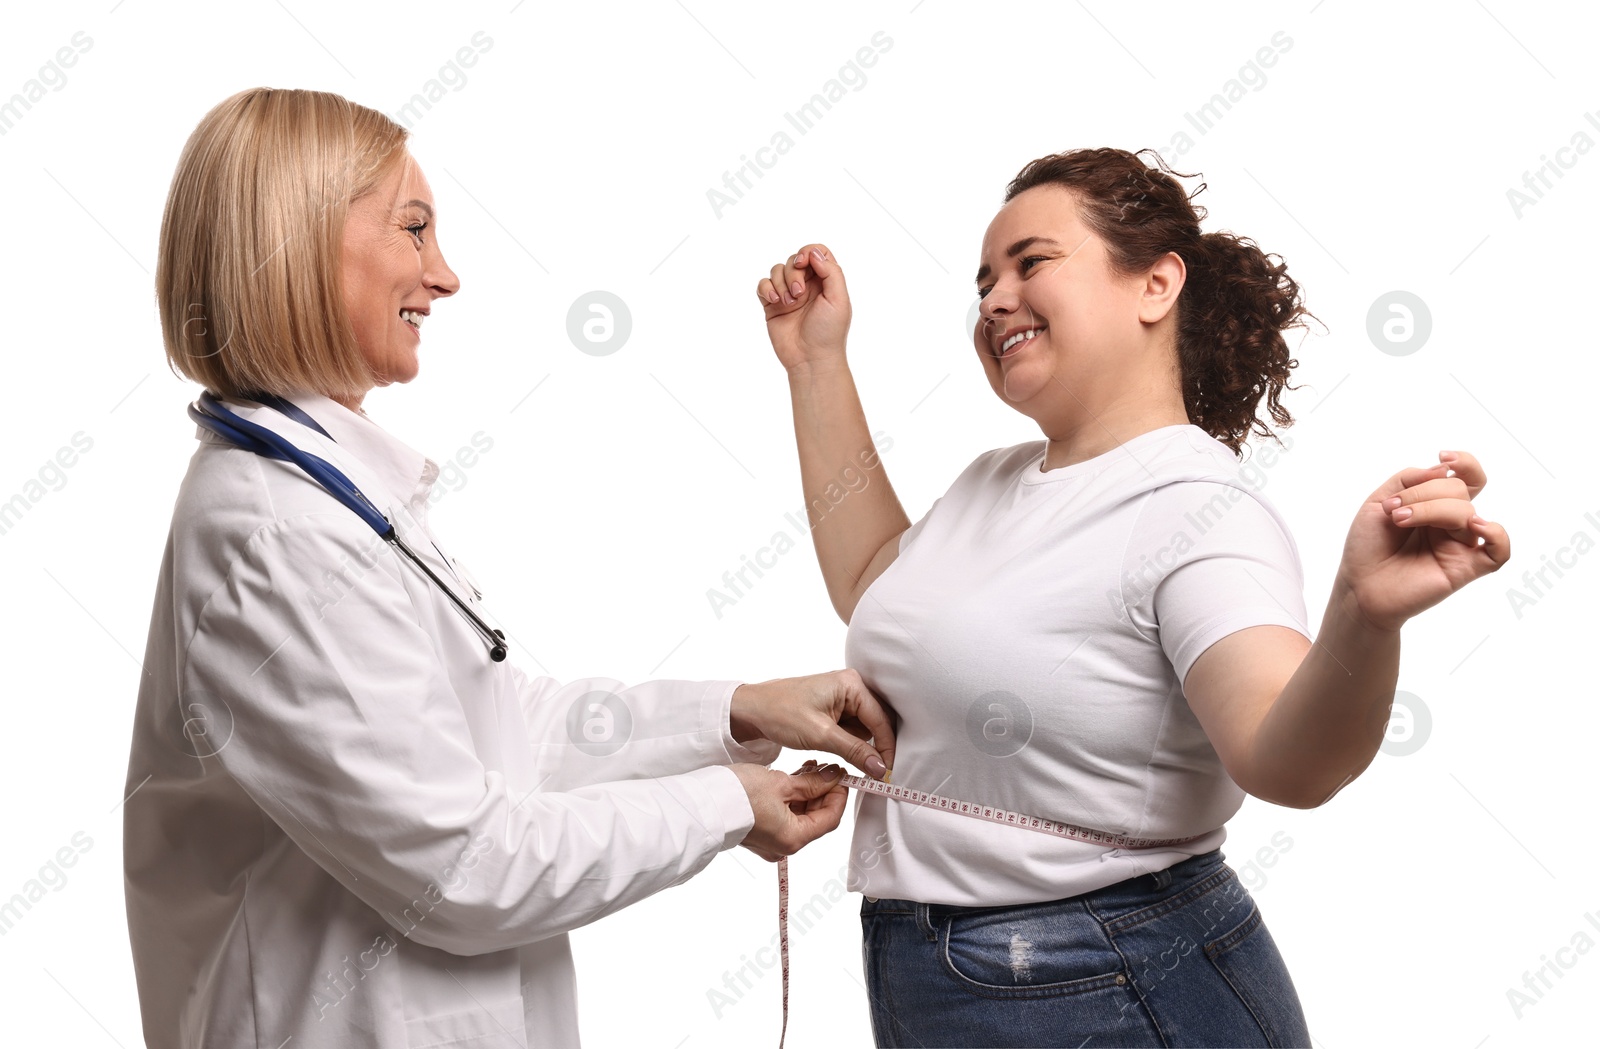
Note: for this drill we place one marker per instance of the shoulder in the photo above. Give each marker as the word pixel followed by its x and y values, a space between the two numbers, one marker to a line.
pixel 307 575
pixel 238 513
pixel 1195 481
pixel 1186 453
pixel 1191 457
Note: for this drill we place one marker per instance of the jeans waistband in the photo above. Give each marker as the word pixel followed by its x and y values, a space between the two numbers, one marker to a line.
pixel 1154 881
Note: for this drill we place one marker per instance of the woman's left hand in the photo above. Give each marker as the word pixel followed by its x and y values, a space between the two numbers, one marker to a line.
pixel 834 712
pixel 1415 542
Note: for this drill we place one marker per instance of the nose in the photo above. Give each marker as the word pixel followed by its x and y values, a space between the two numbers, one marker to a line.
pixel 440 279
pixel 1001 300
pixel 996 308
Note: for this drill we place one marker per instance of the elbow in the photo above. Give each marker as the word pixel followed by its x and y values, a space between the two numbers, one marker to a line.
pixel 1288 799
pixel 1301 793
pixel 447 926
pixel 465 928
pixel 464 914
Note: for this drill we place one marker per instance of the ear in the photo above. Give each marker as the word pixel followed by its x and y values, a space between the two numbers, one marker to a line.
pixel 1162 283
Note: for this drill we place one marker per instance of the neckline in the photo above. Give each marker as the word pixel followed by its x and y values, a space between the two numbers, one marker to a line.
pixel 1032 474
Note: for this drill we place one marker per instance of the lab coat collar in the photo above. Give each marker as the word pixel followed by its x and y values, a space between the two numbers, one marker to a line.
pixel 406 473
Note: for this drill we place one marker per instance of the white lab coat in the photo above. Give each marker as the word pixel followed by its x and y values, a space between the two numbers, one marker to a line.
pixel 348 825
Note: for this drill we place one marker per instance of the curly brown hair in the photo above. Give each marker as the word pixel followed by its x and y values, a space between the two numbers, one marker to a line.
pixel 1235 304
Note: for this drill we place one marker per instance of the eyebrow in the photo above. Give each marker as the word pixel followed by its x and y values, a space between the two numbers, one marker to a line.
pixel 1016 249
pixel 427 208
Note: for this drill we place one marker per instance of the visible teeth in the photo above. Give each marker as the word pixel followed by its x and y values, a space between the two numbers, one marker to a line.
pixel 1021 336
pixel 411 317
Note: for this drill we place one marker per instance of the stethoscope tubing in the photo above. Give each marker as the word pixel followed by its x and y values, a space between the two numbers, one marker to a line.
pixel 209 413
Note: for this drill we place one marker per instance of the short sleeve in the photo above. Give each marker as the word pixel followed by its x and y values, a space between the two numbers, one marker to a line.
pixel 1220 559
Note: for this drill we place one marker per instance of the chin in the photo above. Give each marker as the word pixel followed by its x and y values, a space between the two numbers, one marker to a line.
pixel 1021 385
pixel 403 371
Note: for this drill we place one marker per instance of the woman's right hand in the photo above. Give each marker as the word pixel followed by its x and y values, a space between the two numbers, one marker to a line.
pixel 809 326
pixel 791 810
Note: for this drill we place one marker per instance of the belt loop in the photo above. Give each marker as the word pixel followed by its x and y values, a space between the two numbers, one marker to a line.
pixel 925 922
pixel 1162 878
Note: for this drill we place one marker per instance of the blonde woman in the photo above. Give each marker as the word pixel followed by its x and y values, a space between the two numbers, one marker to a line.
pixel 351 823
pixel 1105 627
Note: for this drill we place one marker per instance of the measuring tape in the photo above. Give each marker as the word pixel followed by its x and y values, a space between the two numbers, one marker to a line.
pixel 962 808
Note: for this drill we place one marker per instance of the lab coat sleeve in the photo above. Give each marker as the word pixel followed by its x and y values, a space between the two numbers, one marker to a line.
pixel 595 729
pixel 349 736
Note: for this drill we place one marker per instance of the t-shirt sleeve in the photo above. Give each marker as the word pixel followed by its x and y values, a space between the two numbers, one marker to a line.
pixel 1208 558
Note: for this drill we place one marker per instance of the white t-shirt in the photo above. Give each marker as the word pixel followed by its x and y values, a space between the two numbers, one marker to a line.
pixel 1033 635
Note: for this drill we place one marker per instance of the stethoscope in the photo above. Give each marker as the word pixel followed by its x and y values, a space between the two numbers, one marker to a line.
pixel 241 433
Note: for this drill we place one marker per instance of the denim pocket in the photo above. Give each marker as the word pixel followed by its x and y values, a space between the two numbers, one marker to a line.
pixel 1248 958
pixel 1029 952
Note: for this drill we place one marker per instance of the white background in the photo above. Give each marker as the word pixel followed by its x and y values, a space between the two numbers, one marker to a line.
pixel 1376 156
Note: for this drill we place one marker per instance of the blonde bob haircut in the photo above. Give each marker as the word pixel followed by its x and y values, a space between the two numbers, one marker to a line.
pixel 248 279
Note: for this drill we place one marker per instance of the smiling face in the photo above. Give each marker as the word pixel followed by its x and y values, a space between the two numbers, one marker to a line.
pixel 1062 337
pixel 393 271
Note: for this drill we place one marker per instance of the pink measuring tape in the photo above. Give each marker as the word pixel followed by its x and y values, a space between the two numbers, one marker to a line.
pixel 963 808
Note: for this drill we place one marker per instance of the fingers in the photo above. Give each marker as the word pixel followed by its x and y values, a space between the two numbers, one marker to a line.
pixel 776 298
pixel 861 704
pixel 1440 503
pixel 818 803
pixel 1435 488
pixel 794 277
pixel 1466 467
pixel 767 291
pixel 1496 543
pixel 1449 514
pixel 823 815
pixel 805 785
pixel 855 728
pixel 1412 476
pixel 815 800
pixel 859 728
pixel 787 285
pixel 1437 496
pixel 858 752
pixel 773 291
pixel 817 259
pixel 1458 520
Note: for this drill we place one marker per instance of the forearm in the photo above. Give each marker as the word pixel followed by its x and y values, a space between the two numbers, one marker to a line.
pixel 850 506
pixel 1327 724
pixel 596 729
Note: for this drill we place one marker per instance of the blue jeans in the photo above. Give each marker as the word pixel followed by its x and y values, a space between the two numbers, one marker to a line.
pixel 1179 957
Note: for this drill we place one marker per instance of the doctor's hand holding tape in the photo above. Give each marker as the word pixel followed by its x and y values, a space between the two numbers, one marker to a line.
pixel 353 822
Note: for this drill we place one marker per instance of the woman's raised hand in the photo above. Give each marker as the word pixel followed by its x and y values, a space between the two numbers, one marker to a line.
pixel 1415 542
pixel 807 307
